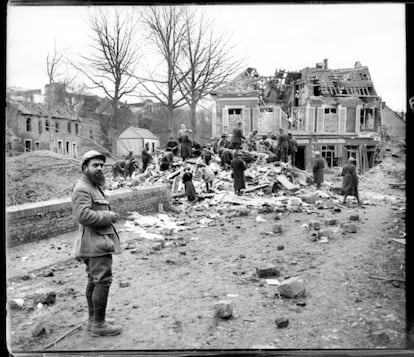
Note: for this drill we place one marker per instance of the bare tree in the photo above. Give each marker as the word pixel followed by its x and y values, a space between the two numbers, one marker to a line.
pixel 208 62
pixel 114 58
pixel 166 28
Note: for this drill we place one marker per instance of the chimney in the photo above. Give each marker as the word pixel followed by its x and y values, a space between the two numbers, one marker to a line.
pixel 325 63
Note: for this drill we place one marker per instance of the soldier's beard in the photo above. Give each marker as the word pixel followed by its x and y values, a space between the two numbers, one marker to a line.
pixel 97 178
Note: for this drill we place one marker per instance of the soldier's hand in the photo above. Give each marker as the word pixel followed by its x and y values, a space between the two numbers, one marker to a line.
pixel 114 217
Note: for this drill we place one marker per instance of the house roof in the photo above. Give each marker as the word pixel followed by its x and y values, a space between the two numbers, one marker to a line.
pixel 137 133
pixel 30 108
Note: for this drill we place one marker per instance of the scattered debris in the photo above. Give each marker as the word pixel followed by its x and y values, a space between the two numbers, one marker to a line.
pixel 123 284
pixel 38 329
pixel 267 271
pixel 16 304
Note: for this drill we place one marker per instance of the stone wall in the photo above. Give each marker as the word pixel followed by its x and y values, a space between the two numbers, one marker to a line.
pixel 40 220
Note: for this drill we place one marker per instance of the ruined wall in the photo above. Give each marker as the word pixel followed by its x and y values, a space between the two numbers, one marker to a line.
pixel 41 220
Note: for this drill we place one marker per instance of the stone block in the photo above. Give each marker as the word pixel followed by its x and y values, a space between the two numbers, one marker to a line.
pixel 350 228
pixel 282 322
pixel 280 247
pixel 325 233
pixel 354 217
pixel 331 221
pixel 314 225
pixel 123 284
pixel 16 304
pixel 277 228
pixel 292 287
pixel 38 329
pixel 267 271
pixel 46 297
pixel 157 246
pixel 224 309
pixel 310 197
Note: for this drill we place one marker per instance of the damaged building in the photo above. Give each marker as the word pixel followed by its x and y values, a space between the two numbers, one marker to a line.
pixel 334 111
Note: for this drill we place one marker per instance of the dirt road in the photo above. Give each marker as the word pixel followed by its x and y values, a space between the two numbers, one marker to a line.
pixel 169 301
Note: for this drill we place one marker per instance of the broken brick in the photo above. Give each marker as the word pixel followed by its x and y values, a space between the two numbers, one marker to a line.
pixel 224 309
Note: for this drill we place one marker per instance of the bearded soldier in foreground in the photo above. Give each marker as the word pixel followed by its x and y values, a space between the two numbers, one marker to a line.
pixel 97 240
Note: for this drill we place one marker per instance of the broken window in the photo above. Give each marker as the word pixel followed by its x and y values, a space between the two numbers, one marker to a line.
pixel 76 129
pixel 367 119
pixel 330 154
pixel 37 146
pixel 28 124
pixel 236 111
pixel 69 127
pixel 60 148
pixel 40 126
pixel 56 126
pixel 331 120
pixel 47 125
pixel 91 133
pixel 27 145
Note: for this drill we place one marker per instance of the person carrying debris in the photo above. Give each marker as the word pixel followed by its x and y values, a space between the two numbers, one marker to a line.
pixel 97 240
pixel 166 161
pixel 293 148
pixel 283 145
pixel 318 167
pixel 238 166
pixel 146 157
pixel 172 146
pixel 238 137
pixel 350 181
pixel 226 155
pixel 188 184
pixel 207 175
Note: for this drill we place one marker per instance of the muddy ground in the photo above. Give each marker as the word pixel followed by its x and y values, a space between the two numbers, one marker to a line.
pixel 355 290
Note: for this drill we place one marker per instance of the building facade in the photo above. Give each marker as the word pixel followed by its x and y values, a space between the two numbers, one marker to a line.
pixel 337 112
pixel 37 128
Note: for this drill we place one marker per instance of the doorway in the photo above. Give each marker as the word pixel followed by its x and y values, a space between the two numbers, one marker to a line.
pixel 300 157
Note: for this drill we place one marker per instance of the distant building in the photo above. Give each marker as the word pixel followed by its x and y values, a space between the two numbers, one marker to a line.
pixel 135 139
pixel 38 128
pixel 334 111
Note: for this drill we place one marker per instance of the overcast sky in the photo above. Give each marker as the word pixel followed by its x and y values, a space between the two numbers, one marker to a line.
pixel 268 36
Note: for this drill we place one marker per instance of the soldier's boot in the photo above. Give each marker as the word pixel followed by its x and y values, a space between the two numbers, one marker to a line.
pixel 100 327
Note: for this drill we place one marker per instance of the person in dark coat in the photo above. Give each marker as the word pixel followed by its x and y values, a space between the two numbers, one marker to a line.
pixel 238 137
pixel 293 148
pixel 197 148
pixel 188 184
pixel 146 157
pixel 166 161
pixel 172 146
pixel 186 147
pixel 238 166
pixel 226 155
pixel 318 166
pixel 283 145
pixel 350 181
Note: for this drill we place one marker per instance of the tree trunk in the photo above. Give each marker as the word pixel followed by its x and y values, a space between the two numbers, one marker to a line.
pixel 170 121
pixel 193 118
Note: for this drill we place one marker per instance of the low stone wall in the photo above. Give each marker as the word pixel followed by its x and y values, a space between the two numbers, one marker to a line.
pixel 40 220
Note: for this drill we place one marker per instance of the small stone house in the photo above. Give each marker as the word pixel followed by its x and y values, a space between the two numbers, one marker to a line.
pixel 134 138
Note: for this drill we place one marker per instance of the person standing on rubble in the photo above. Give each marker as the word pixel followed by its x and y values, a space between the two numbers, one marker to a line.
pixel 238 166
pixel 283 145
pixel 350 181
pixel 293 148
pixel 206 155
pixel 237 139
pixel 318 167
pixel 186 147
pixel 146 157
pixel 188 184
pixel 96 242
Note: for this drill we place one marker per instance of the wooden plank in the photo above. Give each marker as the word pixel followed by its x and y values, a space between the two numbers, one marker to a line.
pixel 255 188
pixel 286 183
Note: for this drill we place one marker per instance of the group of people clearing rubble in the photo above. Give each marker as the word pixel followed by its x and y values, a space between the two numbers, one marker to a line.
pixel 98 239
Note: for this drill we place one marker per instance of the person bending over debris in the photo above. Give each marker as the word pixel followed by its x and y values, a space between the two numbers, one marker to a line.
pixel 196 149
pixel 226 155
pixel 207 175
pixel 146 157
pixel 223 142
pixel 350 181
pixel 206 155
pixel 166 161
pixel 172 146
pixel 97 240
pixel 188 184
pixel 318 166
pixel 238 166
